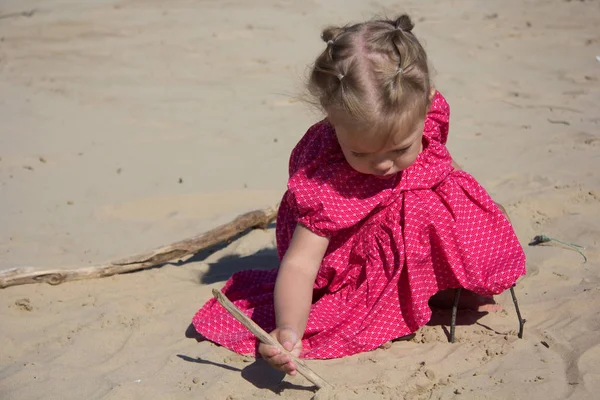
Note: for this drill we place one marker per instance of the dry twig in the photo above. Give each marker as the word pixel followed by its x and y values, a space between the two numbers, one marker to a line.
pixel 265 338
pixel 254 219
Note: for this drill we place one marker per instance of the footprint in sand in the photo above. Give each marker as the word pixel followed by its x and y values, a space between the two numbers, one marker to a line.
pixel 24 305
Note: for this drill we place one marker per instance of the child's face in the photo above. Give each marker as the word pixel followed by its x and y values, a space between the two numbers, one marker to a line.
pixel 381 155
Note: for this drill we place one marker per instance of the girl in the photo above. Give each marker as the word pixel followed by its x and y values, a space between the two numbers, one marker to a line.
pixel 377 217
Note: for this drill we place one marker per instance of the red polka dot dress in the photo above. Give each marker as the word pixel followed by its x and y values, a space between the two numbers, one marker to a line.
pixel 393 244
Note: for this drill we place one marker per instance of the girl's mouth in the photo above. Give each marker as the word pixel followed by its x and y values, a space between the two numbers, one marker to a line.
pixel 387 176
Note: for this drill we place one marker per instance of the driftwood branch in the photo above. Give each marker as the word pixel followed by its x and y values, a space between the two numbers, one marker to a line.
pixel 254 219
pixel 27 14
pixel 265 338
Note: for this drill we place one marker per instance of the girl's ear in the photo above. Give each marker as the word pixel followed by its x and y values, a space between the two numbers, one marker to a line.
pixel 430 97
pixel 431 94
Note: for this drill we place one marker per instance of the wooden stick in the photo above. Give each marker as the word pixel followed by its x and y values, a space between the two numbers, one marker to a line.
pixel 254 219
pixel 264 337
pixel 27 14
pixel 454 308
pixel 521 320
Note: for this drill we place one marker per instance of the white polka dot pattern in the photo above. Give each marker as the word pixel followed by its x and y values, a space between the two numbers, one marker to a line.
pixel 394 244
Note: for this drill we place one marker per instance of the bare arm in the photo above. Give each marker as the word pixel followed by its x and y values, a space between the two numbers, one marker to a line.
pixel 293 296
pixel 294 286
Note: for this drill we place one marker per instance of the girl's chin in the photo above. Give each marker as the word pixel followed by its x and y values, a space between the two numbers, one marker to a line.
pixel 388 176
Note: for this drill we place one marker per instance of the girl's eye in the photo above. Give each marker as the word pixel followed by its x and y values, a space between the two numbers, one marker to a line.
pixel 358 155
pixel 401 151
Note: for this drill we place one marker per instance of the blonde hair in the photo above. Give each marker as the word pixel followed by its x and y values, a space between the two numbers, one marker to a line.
pixel 372 72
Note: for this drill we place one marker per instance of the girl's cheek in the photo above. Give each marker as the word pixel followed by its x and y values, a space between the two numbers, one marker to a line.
pixel 404 162
pixel 361 166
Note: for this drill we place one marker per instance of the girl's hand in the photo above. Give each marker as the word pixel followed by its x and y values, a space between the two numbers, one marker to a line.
pixel 290 341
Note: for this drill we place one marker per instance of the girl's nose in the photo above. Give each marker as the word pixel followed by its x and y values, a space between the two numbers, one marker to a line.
pixel 383 166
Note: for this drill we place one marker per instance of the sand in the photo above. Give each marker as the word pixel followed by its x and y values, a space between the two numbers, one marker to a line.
pixel 127 125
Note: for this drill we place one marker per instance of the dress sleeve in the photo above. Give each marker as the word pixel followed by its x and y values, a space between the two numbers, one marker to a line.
pixel 438 119
pixel 324 206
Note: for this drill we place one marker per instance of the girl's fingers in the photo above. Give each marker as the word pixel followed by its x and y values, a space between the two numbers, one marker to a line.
pixel 283 363
pixel 288 368
pixel 268 351
pixel 279 360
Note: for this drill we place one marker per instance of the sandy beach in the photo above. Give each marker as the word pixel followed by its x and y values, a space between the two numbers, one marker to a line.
pixel 127 125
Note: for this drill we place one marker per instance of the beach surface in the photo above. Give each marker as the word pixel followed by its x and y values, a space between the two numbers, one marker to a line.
pixel 128 125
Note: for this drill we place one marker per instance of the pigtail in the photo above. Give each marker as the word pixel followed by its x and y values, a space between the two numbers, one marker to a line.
pixel 404 23
pixel 332 80
pixel 371 68
pixel 411 73
pixel 331 33
pixel 326 79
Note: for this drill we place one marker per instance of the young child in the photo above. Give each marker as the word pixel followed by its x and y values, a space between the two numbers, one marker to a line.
pixel 377 217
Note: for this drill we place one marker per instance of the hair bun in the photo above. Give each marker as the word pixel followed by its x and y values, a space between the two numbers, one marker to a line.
pixel 403 22
pixel 331 33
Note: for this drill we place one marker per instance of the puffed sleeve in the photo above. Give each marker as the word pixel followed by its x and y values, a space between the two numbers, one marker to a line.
pixel 437 121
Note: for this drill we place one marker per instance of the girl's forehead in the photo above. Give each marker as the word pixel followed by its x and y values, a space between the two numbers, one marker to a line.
pixel 376 138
